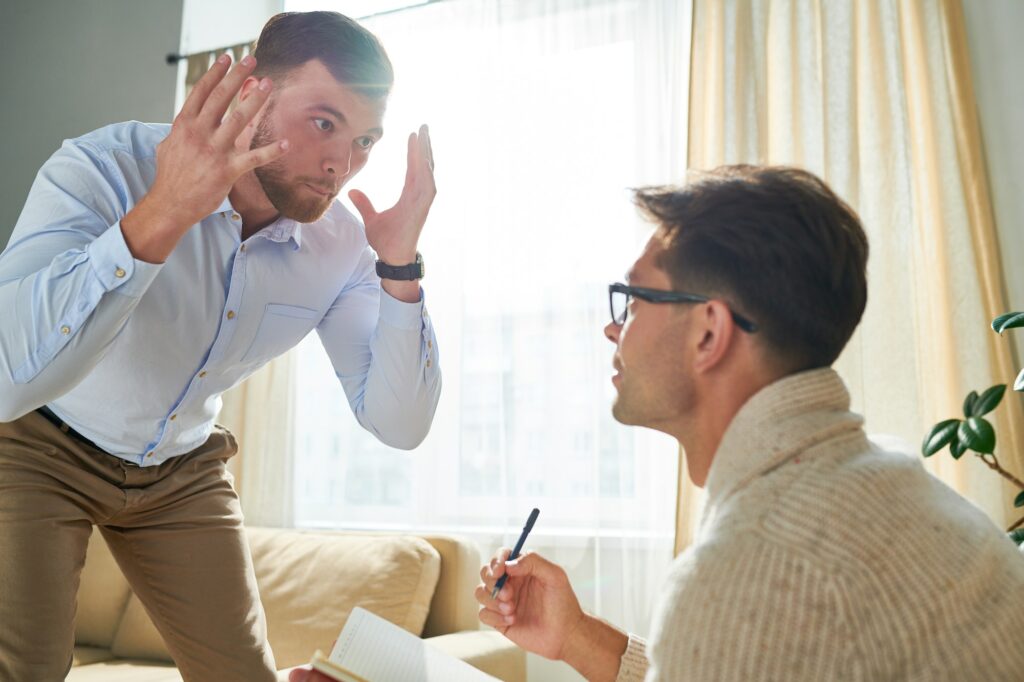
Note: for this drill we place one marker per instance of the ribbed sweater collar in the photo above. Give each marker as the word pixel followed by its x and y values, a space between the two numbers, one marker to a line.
pixel 777 423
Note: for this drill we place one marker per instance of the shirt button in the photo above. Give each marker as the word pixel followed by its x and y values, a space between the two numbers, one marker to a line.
pixel 428 363
pixel 202 374
pixel 65 330
pixel 231 314
pixel 235 216
pixel 430 344
pixel 149 454
pixel 242 248
pixel 119 273
pixel 173 417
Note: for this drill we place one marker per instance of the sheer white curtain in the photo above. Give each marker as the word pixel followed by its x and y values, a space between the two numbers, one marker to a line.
pixel 542 115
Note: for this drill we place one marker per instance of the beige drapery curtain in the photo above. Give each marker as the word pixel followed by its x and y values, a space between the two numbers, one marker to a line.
pixel 876 97
pixel 200 63
pixel 260 411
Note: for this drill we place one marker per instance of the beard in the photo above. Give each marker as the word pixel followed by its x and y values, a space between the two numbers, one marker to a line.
pixel 287 195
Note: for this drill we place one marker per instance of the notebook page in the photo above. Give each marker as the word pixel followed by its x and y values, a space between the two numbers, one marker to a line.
pixel 380 651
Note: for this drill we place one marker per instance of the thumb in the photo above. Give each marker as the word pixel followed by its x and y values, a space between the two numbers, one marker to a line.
pixel 363 205
pixel 532 564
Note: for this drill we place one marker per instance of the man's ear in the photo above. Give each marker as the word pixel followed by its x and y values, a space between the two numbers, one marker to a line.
pixel 714 324
pixel 249 86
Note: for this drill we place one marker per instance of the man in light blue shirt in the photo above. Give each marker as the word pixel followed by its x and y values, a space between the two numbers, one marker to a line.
pixel 154 267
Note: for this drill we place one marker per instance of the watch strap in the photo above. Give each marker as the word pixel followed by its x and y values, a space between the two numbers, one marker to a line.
pixel 410 271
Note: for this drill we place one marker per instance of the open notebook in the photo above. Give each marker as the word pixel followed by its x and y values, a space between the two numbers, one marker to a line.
pixel 371 649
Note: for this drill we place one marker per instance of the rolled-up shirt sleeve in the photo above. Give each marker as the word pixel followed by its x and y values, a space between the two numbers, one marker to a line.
pixel 385 354
pixel 68 281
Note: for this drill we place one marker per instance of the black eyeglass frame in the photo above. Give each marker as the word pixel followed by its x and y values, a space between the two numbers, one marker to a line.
pixel 660 296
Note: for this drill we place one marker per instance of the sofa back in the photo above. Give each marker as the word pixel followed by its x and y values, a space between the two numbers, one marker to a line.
pixel 309 582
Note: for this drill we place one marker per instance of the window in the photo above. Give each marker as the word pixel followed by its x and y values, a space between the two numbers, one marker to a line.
pixel 541 117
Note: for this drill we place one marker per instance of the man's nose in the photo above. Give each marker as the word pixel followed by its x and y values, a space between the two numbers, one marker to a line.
pixel 340 162
pixel 611 332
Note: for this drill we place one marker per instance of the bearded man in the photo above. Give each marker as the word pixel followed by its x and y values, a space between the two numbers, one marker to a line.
pixel 153 268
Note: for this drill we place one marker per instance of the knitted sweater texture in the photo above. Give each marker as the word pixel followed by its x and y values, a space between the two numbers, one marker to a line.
pixel 821 556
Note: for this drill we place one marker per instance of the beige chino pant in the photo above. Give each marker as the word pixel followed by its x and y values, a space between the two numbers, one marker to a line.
pixel 175 530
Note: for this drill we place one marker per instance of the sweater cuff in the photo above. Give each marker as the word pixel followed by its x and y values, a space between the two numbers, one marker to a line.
pixel 633 664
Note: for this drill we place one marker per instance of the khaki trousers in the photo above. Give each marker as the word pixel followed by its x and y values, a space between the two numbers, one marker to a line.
pixel 175 530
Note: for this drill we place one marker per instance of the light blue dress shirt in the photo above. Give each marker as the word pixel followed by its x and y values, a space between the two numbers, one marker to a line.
pixel 134 356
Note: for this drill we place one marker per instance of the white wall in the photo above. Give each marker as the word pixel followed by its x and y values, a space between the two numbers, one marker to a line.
pixel 212 24
pixel 997 62
pixel 70 66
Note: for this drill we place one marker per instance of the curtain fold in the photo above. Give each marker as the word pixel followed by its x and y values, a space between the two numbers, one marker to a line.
pixel 260 412
pixel 200 62
pixel 876 98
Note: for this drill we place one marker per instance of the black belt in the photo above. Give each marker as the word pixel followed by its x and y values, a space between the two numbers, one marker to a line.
pixel 48 414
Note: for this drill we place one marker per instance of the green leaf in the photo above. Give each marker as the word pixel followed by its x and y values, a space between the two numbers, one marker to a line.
pixel 957 449
pixel 1017 536
pixel 988 400
pixel 939 437
pixel 978 435
pixel 1008 321
pixel 1019 502
pixel 969 401
pixel 1018 385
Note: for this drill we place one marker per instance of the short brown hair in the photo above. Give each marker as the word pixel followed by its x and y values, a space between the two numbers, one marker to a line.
pixel 352 54
pixel 778 245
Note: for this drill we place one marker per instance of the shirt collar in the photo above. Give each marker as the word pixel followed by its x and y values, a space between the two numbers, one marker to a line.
pixel 281 230
pixel 777 423
pixel 225 207
pixel 284 230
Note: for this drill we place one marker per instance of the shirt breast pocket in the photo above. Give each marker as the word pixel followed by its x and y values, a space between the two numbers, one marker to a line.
pixel 281 328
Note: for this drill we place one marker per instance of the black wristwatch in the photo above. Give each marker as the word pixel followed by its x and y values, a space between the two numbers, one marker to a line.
pixel 414 270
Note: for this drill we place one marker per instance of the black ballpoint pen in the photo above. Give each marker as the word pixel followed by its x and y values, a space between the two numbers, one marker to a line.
pixel 515 552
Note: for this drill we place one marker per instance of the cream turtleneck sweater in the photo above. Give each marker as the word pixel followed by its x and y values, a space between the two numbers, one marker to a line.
pixel 821 556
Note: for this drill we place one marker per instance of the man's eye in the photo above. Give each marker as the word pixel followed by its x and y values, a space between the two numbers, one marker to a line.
pixel 364 142
pixel 323 124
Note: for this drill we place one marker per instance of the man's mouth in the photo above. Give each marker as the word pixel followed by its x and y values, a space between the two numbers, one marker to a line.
pixel 322 191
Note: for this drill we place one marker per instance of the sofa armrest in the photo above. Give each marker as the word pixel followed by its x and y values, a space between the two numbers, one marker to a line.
pixel 487 650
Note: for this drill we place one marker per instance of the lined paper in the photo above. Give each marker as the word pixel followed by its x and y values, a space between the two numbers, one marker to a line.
pixel 380 651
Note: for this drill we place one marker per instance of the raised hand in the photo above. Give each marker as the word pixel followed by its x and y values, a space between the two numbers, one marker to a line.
pixel 537 608
pixel 394 233
pixel 198 162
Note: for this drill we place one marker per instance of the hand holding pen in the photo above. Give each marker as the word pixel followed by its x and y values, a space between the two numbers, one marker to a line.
pixel 518 548
pixel 529 599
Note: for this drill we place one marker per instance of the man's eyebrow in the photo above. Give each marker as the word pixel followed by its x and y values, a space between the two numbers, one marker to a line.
pixel 340 117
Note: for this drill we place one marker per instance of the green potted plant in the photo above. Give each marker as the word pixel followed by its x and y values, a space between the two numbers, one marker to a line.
pixel 975 434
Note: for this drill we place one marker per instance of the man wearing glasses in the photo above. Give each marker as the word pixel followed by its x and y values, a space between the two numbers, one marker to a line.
pixel 820 556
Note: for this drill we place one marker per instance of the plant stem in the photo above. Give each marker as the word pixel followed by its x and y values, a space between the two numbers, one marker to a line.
pixel 994 464
pixel 1016 525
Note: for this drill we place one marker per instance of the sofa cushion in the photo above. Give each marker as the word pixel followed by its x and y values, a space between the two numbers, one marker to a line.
pixel 124 671
pixel 454 608
pixel 102 595
pixel 487 650
pixel 309 582
pixel 84 655
pixel 137 637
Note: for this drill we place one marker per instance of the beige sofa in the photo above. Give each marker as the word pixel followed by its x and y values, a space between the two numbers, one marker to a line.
pixel 309 582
